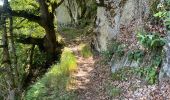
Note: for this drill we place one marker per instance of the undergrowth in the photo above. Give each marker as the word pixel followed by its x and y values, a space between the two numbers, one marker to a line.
pixel 152 52
pixel 54 84
pixel 114 48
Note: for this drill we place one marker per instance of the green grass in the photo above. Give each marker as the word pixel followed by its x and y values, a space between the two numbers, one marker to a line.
pixel 85 50
pixel 53 85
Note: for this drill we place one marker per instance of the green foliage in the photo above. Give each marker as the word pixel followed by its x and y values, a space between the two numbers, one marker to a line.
pixel 148 72
pixel 106 55
pixel 85 50
pixel 161 14
pixel 167 20
pixel 39 58
pixel 165 16
pixel 27 5
pixel 136 55
pixel 115 48
pixel 151 41
pixel 24 27
pixel 164 13
pixel 55 82
pixel 154 43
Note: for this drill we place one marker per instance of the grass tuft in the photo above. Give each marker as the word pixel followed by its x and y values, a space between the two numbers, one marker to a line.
pixel 53 85
pixel 85 50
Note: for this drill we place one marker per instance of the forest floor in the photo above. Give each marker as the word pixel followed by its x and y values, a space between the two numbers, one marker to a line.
pixel 94 80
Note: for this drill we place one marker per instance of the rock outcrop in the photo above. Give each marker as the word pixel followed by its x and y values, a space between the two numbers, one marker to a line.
pixel 165 71
pixel 112 15
pixel 115 15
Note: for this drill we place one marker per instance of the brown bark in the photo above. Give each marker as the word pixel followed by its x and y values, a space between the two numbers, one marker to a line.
pixel 47 20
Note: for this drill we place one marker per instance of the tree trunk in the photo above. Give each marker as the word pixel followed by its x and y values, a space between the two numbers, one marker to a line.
pixel 47 21
pixel 13 50
pixel 7 63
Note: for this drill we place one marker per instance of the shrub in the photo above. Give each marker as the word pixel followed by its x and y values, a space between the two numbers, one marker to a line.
pixel 151 41
pixel 136 55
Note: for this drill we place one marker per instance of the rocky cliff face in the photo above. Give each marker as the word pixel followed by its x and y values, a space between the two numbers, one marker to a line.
pixel 112 15
pixel 129 15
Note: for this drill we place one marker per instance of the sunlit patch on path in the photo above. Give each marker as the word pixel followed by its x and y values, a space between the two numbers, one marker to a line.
pixel 89 80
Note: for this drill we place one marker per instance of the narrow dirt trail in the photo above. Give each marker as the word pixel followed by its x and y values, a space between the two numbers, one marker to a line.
pixel 90 78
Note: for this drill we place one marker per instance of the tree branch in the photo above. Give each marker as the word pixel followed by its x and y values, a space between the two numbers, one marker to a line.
pixel 33 41
pixel 26 15
pixel 56 5
pixel 30 40
pixel 2 46
pixel 38 42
